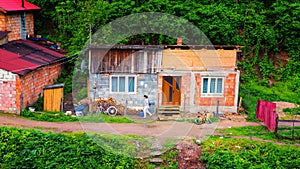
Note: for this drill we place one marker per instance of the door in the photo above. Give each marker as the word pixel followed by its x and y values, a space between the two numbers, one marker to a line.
pixel 171 90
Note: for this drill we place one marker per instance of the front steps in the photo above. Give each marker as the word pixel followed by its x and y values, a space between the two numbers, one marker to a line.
pixel 169 113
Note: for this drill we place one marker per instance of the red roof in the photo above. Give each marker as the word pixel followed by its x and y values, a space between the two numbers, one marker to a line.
pixel 16 5
pixel 23 56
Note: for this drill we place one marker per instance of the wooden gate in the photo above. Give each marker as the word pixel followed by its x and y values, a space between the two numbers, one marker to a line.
pixel 171 90
pixel 53 97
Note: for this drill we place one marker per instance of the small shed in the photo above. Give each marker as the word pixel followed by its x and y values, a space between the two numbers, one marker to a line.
pixel 53 97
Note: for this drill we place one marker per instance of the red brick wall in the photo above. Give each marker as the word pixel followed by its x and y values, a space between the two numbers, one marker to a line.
pixel 12 23
pixel 31 85
pixel 229 93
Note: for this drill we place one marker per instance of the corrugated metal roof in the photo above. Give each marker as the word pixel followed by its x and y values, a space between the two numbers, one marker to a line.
pixel 16 5
pixel 22 56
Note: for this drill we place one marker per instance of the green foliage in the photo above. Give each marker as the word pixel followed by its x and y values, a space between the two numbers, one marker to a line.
pixel 48 116
pixel 38 104
pixel 259 132
pixel 292 111
pixel 253 91
pixel 33 149
pixel 82 94
pixel 244 153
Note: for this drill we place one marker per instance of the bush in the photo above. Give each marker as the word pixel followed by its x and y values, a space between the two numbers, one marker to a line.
pixel 82 94
pixel 48 116
pixel 21 148
pixel 243 153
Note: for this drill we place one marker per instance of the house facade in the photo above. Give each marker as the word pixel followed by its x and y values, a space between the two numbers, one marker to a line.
pixel 192 78
pixel 25 66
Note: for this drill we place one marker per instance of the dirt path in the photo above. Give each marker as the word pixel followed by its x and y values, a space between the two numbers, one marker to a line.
pixel 158 128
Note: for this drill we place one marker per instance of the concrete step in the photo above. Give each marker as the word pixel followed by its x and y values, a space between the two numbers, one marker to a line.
pixel 156 153
pixel 168 112
pixel 169 108
pixel 166 117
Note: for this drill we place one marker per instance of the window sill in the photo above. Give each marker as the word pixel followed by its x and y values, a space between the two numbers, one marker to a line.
pixel 212 95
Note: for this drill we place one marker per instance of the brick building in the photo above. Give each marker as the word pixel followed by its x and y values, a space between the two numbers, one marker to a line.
pixel 16 16
pixel 25 66
pixel 190 78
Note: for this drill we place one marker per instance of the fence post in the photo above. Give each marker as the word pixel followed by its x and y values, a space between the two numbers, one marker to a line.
pixel 276 127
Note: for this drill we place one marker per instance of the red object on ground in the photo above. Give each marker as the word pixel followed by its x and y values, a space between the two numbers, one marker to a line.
pixel 266 112
pixel 16 5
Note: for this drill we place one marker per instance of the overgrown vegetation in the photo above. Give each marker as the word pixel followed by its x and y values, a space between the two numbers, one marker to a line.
pixel 34 149
pixel 245 153
pixel 48 116
pixel 284 134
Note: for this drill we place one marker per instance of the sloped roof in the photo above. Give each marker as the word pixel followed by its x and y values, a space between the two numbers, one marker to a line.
pixel 23 56
pixel 199 59
pixel 16 5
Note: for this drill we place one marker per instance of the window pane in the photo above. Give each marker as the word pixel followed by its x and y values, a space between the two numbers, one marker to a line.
pixel 219 85
pixel 121 84
pixel 212 85
pixel 205 83
pixel 130 84
pixel 114 84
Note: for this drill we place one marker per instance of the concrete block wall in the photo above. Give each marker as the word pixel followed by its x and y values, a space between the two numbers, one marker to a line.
pixel 146 84
pixel 30 86
pixel 7 91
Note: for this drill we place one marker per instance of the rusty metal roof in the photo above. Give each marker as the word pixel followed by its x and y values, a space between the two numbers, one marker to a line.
pixel 23 56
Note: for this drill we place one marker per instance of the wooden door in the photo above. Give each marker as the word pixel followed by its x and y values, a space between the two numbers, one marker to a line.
pixel 53 99
pixel 171 90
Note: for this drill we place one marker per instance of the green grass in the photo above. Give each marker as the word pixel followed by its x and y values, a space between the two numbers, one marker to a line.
pixel 103 118
pixel 61 117
pixel 258 132
pixel 243 153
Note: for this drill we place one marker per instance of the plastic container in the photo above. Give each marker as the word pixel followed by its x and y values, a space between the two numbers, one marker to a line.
pixel 142 113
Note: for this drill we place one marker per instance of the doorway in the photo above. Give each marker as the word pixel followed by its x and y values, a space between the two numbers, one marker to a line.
pixel 171 90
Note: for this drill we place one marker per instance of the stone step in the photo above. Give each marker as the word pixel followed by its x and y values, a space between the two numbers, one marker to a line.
pixel 156 153
pixel 156 160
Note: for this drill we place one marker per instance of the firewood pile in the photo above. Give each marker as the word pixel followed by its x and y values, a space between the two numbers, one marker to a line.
pixel 108 101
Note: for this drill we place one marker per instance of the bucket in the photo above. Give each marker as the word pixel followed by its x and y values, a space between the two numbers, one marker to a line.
pixel 142 113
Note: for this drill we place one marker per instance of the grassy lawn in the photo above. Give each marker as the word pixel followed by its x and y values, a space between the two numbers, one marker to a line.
pixel 284 134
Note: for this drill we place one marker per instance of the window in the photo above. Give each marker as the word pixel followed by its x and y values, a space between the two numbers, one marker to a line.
pixel 122 84
pixel 212 86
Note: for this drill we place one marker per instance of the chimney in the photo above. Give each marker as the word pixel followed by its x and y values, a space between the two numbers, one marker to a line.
pixel 22 3
pixel 179 41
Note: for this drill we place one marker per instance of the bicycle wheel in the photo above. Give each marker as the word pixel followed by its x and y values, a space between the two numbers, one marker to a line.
pixel 112 111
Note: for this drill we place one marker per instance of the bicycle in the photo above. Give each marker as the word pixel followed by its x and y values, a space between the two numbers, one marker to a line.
pixel 104 106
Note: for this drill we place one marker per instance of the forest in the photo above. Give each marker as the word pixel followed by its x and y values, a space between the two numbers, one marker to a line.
pixel 268 30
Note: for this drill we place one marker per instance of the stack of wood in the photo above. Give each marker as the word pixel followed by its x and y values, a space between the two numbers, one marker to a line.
pixel 106 101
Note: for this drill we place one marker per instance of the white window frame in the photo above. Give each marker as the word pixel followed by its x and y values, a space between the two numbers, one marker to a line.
pixel 215 94
pixel 126 84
